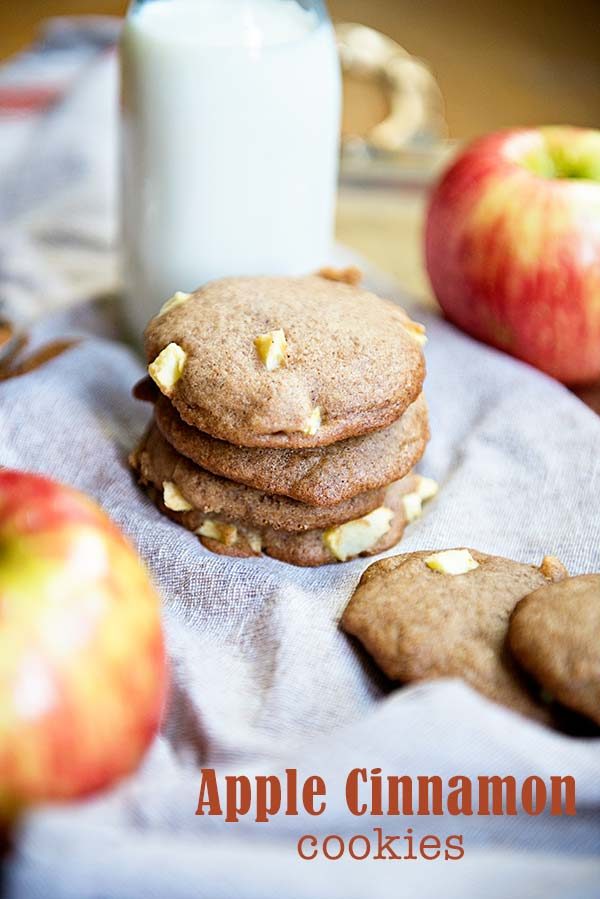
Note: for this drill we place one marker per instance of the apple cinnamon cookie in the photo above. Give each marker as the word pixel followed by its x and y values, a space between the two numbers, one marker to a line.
pixel 364 536
pixel 555 634
pixel 285 362
pixel 323 476
pixel 186 486
pixel 430 614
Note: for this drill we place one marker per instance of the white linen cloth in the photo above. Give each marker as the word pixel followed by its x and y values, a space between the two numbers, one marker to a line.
pixel 262 677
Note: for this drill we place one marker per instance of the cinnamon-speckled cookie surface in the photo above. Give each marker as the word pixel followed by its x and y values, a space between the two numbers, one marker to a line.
pixel 322 476
pixel 419 623
pixel 555 634
pixel 348 362
pixel 308 548
pixel 158 463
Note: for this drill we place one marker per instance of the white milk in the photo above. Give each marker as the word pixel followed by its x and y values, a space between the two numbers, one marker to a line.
pixel 230 143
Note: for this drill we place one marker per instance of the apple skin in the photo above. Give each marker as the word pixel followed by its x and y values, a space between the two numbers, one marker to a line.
pixel 512 247
pixel 82 660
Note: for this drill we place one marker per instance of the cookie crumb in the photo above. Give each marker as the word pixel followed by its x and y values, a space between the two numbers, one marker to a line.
pixel 351 275
pixel 553 569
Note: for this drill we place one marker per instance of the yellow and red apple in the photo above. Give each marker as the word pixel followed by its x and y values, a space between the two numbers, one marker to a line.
pixel 513 246
pixel 82 659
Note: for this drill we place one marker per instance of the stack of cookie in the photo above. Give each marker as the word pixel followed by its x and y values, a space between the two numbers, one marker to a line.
pixel 288 417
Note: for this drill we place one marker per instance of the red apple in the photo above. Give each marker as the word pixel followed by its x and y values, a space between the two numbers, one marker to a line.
pixel 513 246
pixel 82 660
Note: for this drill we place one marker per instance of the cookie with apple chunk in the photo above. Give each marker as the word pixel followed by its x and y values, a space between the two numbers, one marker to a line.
pixel 232 537
pixel 321 476
pixel 428 614
pixel 157 463
pixel 285 362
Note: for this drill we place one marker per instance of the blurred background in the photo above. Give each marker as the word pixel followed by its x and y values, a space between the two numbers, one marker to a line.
pixel 496 64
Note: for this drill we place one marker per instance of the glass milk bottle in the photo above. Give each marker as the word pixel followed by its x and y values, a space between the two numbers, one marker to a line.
pixel 230 118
